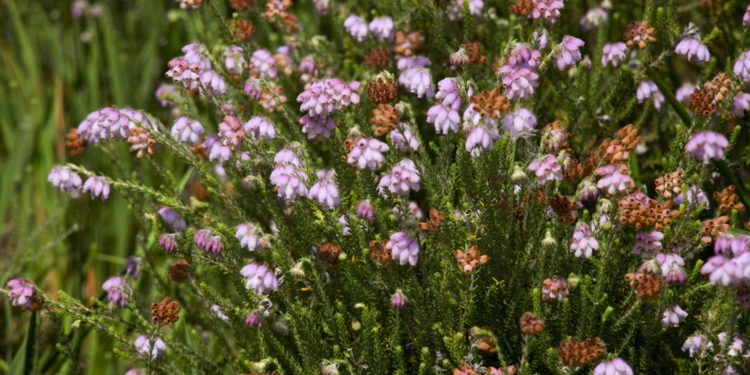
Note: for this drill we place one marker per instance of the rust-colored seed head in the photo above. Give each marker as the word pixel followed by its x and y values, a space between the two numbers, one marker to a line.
pixel 641 212
pixel 470 260
pixel 564 207
pixel 379 252
pixel 669 185
pixel 522 7
pixel 647 285
pixel 329 252
pixel 578 353
pixel 530 324
pixel 489 103
pixel 242 29
pixel 165 312
pixel 384 118
pixel 240 5
pixel 382 91
pixel 378 57
pixel 713 228
pixel 406 43
pixel 465 370
pixel 141 141
pixel 180 271
pixel 199 150
pixel 701 102
pixel 728 200
pixel 474 51
pixel 639 33
pixel 433 223
pixel 74 142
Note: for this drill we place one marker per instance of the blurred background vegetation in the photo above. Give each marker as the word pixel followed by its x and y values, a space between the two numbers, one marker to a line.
pixel 54 70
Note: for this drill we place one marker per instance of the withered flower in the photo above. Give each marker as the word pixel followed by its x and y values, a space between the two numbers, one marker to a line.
pixel 329 252
pixel 165 312
pixel 471 259
pixel 74 142
pixel 489 103
pixel 433 223
pixel 578 353
pixel 382 91
pixel 378 57
pixel 647 285
pixel 530 324
pixel 728 200
pixel 639 33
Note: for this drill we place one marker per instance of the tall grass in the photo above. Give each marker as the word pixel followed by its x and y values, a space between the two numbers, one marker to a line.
pixel 54 70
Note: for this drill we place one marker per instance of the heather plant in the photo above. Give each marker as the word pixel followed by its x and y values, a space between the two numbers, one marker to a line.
pixel 439 187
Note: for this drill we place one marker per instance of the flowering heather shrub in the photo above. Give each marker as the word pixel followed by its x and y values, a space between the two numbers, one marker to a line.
pixel 533 189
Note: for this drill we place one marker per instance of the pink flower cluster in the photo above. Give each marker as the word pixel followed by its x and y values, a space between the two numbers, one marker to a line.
pixel 583 243
pixel 519 74
pixel 111 123
pixel 731 264
pixel 404 176
pixel 546 169
pixel 444 114
pixel 259 278
pixel 323 98
pixel 706 146
pixel 403 248
pixel 209 241
pixel 324 191
pixel 288 177
pixel 367 153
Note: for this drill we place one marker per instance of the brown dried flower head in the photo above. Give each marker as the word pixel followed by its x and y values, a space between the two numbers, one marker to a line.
pixel 433 223
pixel 713 228
pixel 555 137
pixel 720 87
pixel 484 340
pixel 522 7
pixel 577 170
pixel 564 207
pixel 578 353
pixel 669 185
pixel 701 102
pixel 382 90
pixel 384 119
pixel 141 141
pixel 465 370
pixel 474 51
pixel 74 142
pixel 199 150
pixel 470 260
pixel 406 42
pixel 242 29
pixel 641 211
pixel 165 312
pixel 647 285
pixel 329 252
pixel 240 5
pixel 728 200
pixel 530 324
pixel 489 103
pixel 639 33
pixel 379 252
pixel 378 57
pixel 180 271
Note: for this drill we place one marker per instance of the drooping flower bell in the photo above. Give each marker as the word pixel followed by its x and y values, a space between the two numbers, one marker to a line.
pixel 21 293
pixel 324 191
pixel 673 316
pixel 118 290
pixel 546 169
pixel 367 153
pixel 706 146
pixel 259 278
pixel 568 53
pixel 403 248
pixel 143 345
pixel 356 27
pixel 693 50
pixel 613 54
pixel 98 186
pixel 403 177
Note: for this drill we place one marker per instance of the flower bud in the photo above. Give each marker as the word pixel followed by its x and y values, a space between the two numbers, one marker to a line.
pixel 459 58
pixel 548 241
pixel 518 175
